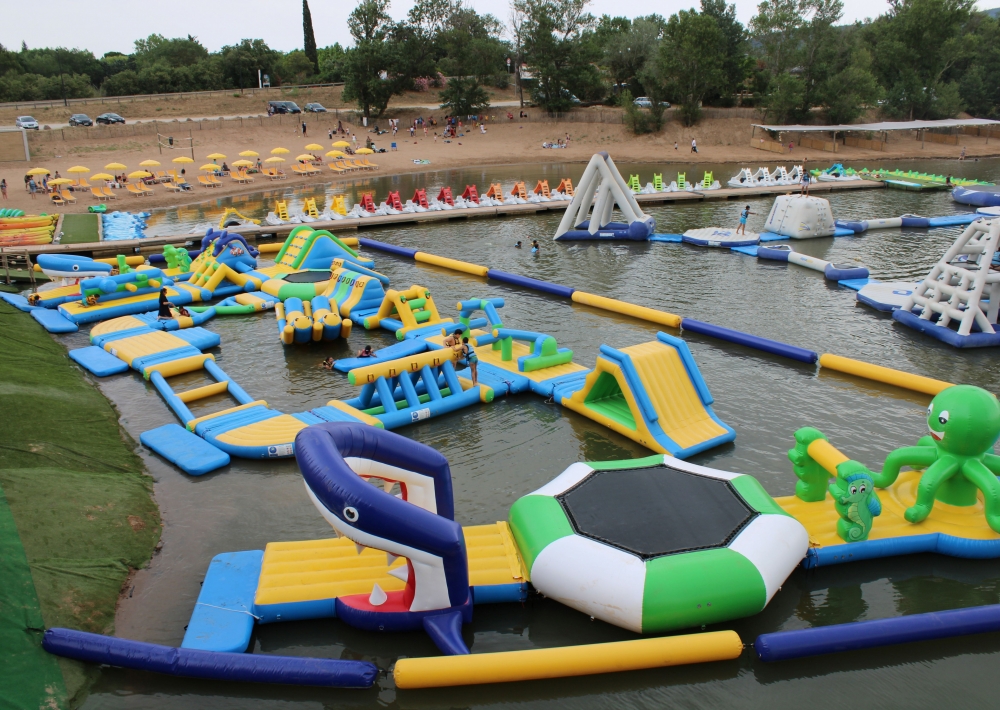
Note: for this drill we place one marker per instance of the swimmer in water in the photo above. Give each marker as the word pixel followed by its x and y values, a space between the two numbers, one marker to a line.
pixel 327 364
pixel 367 352
pixel 534 246
pixel 518 245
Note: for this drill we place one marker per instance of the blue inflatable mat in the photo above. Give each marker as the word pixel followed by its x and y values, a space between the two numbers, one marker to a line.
pixel 188 452
pixel 18 301
pixel 54 321
pixel 193 663
pixel 953 220
pixel 857 284
pixel 670 238
pixel 98 361
pixel 223 617
pixel 772 237
pixel 946 335
pixel 749 250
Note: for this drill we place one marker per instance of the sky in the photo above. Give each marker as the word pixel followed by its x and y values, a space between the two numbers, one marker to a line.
pixel 279 22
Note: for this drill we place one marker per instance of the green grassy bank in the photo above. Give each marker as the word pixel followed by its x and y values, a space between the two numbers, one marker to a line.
pixel 77 503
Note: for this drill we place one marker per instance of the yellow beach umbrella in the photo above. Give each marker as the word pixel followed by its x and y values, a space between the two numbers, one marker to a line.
pixel 305 157
pixel 102 176
pixel 39 171
pixel 335 154
pixel 60 181
pixel 114 166
pixel 275 159
pixel 149 163
pixel 279 151
pixel 314 146
pixel 341 144
pixel 139 174
pixel 242 163
pixel 216 156
pixel 182 159
pixel 209 167
pixel 364 151
pixel 250 154
pixel 78 169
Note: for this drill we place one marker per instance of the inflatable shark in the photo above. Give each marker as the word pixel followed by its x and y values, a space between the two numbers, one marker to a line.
pixel 418 525
pixel 59 266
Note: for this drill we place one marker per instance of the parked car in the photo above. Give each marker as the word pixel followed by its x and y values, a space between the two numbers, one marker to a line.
pixel 80 119
pixel 646 102
pixel 274 107
pixel 109 118
pixel 26 122
pixel 314 108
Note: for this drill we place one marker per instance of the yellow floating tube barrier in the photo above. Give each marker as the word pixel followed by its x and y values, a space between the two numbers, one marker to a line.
pixel 826 455
pixel 536 664
pixel 917 383
pixel 392 368
pixel 453 264
pixel 625 308
pixel 272 248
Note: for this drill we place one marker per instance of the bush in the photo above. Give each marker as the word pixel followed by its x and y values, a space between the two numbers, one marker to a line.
pixel 639 120
pixel 35 87
pixel 464 96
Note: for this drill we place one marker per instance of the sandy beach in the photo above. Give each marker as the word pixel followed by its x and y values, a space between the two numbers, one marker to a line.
pixel 506 142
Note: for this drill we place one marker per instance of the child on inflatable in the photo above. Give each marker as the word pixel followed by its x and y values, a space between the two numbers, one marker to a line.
pixel 469 358
pixel 743 219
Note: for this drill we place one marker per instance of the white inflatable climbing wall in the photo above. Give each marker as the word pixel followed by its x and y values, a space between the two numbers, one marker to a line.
pixel 800 217
pixel 962 282
pixel 603 187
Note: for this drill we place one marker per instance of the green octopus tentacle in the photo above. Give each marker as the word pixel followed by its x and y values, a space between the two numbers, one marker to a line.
pixel 983 479
pixel 916 456
pixel 936 474
pixel 992 462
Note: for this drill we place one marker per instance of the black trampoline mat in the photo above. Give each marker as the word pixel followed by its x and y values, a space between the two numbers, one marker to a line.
pixel 307 277
pixel 656 511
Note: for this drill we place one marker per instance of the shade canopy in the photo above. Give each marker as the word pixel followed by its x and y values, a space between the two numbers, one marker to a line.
pixel 149 163
pixel 275 160
pixel 305 157
pixel 78 169
pixel 114 166
pixel 60 181
pixel 39 171
pixel 314 146
pixel 102 176
pixel 183 159
pixel 216 156
pixel 209 167
pixel 364 151
pixel 250 154
pixel 139 174
pixel 279 151
pixel 242 163
pixel 341 144
pixel 335 154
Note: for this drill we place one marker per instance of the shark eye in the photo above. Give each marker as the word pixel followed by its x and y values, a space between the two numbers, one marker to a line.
pixel 943 418
pixel 76 267
pixel 854 490
pixel 351 514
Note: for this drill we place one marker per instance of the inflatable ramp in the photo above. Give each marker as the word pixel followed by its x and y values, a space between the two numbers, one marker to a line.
pixel 652 393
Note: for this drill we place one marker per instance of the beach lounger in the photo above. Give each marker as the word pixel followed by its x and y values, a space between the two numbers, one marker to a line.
pixel 107 191
pixel 299 170
pixel 133 190
pixel 216 181
pixel 67 196
pixel 246 176
pixel 334 168
pixel 83 184
pixel 173 186
pixel 236 177
pixel 57 199
pixel 96 192
pixel 161 176
pixel 370 164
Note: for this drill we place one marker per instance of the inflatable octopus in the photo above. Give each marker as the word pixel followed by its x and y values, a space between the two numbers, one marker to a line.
pixel 958 459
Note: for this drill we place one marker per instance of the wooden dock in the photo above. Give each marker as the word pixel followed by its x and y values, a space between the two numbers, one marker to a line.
pixel 265 231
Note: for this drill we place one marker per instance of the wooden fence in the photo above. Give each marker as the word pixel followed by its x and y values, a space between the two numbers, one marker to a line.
pixel 864 144
pixel 769 145
pixel 828 146
pixel 947 139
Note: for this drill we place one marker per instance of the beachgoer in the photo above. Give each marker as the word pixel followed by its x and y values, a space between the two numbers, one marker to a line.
pixel 303 129
pixel 165 305
pixel 225 168
pixel 804 190
pixel 3 188
pixel 454 339
pixel 27 179
pixel 743 219
pixel 340 127
pixel 184 312
pixel 367 352
pixel 32 187
pixel 947 181
pixel 327 364
pixel 694 146
pixel 482 128
pixel 469 357
pixel 962 156
pixel 534 246
pixel 518 245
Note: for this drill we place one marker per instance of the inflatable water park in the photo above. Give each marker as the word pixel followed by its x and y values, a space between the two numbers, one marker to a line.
pixel 700 546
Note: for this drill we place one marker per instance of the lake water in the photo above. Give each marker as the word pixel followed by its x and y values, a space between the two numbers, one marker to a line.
pixel 501 451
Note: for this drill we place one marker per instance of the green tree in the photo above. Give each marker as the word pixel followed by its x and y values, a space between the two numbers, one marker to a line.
pixel 691 61
pixel 464 96
pixel 309 38
pixel 294 68
pixel 176 52
pixel 850 91
pixel 331 62
pixel 736 65
pixel 626 53
pixel 241 62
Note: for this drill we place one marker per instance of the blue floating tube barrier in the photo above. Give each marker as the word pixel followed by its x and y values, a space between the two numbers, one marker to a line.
pixel 946 335
pixel 784 645
pixel 839 272
pixel 192 663
pixel 528 282
pixel 388 248
pixel 911 220
pixel 774 253
pixel 751 341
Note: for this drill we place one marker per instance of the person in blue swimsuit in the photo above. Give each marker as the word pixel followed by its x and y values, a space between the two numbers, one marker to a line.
pixel 470 358
pixel 534 246
pixel 743 219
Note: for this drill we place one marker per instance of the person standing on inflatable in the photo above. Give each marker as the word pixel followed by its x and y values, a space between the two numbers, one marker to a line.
pixel 743 220
pixel 805 183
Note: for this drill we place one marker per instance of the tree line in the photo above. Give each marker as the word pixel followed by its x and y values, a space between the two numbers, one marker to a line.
pixel 921 59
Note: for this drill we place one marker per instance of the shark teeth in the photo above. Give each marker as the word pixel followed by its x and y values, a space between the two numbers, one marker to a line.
pixel 387 486
pixel 378 596
pixel 401 573
pixel 390 558
pixel 359 547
